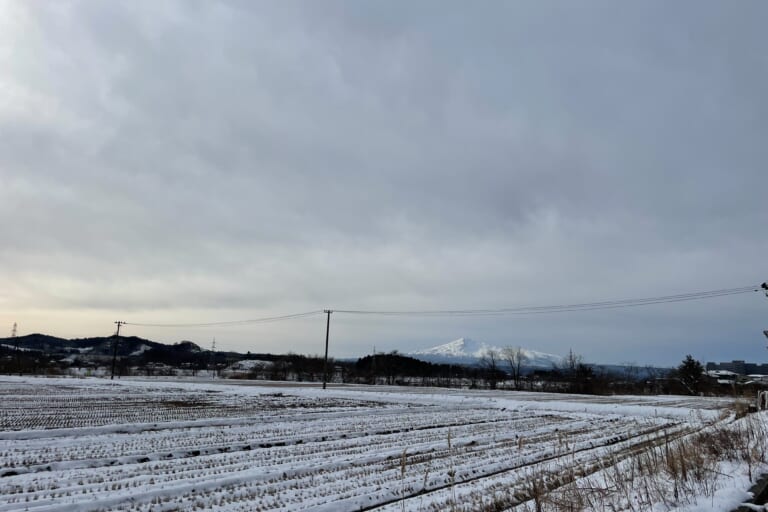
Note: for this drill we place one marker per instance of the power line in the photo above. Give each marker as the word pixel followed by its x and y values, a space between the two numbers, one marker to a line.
pixel 563 308
pixel 517 310
pixel 520 310
pixel 234 322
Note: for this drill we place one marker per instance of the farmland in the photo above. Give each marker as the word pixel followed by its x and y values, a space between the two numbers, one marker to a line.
pixel 87 444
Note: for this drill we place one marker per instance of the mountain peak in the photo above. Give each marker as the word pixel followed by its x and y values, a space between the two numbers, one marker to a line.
pixel 468 351
pixel 461 347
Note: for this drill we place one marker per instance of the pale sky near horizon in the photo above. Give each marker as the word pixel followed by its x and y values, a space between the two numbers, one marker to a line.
pixel 189 162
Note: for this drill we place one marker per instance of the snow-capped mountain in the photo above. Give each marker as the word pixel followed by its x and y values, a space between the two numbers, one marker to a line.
pixel 467 351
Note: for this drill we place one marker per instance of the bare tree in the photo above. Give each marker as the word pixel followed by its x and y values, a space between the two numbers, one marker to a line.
pixel 571 362
pixel 630 376
pixel 515 359
pixel 490 363
pixel 578 374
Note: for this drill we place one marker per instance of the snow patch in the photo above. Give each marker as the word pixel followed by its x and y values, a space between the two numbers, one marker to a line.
pixel 467 351
pixel 142 348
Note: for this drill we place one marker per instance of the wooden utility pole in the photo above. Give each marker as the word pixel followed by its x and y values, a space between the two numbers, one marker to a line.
pixel 212 371
pixel 16 348
pixel 764 286
pixel 327 331
pixel 114 348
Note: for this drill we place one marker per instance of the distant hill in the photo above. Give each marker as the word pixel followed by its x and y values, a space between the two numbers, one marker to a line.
pixel 469 352
pixel 41 353
pixel 100 349
pixel 103 346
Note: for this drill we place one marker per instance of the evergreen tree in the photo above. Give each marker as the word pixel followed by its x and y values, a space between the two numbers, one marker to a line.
pixel 691 374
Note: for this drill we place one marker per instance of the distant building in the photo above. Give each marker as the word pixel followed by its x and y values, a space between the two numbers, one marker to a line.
pixel 740 367
pixel 723 376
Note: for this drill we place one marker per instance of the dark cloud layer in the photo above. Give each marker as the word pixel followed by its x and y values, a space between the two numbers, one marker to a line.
pixel 193 161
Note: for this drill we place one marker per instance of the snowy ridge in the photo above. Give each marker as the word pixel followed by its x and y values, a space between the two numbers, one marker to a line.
pixel 468 351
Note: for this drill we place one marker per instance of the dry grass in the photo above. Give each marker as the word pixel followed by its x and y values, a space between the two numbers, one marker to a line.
pixel 670 472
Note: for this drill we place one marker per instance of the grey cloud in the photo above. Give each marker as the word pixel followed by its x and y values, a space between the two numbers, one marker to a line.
pixel 255 156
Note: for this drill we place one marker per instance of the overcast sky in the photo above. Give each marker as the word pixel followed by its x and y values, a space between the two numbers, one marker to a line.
pixel 194 161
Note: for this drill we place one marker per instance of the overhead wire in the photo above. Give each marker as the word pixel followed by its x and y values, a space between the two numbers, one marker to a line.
pixel 517 310
pixel 562 308
pixel 268 319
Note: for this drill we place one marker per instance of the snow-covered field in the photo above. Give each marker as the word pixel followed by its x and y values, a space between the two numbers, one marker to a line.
pixel 91 444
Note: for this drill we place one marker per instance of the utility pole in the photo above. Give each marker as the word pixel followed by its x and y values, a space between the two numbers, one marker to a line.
pixel 16 347
pixel 114 348
pixel 213 358
pixel 762 396
pixel 764 286
pixel 327 331
pixel 373 366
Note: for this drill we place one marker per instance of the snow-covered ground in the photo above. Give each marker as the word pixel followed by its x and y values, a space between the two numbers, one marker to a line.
pixel 94 444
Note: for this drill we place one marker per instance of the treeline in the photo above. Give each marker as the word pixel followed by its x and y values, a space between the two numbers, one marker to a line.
pixel 22 362
pixel 396 369
pixel 572 376
pixel 496 370
pixel 391 369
